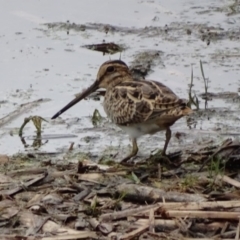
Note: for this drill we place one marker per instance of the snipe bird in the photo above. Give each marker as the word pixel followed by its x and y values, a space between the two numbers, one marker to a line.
pixel 138 107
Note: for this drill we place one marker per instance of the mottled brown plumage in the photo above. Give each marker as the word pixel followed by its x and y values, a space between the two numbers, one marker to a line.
pixel 137 106
pixel 141 101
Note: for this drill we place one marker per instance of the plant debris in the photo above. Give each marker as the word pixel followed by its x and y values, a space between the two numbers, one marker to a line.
pixel 110 48
pixel 87 200
pixel 75 191
pixel 37 121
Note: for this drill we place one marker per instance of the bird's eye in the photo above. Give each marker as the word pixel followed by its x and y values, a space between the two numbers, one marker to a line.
pixel 110 69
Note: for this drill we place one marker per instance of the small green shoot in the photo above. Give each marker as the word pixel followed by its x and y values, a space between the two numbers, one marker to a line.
pixel 215 169
pixel 96 118
pixel 93 209
pixel 193 99
pixel 37 121
pixel 189 181
pixel 206 81
pixel 119 199
pixel 135 178
pixel 107 160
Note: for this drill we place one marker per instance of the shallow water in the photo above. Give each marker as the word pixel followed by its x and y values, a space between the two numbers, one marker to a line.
pixel 42 62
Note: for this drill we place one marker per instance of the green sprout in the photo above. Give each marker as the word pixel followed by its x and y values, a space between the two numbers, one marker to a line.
pixel 193 99
pixel 37 121
pixel 205 84
pixel 96 118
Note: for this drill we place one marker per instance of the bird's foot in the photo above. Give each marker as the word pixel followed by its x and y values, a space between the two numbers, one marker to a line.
pixel 132 154
pixel 164 158
pixel 170 159
pixel 127 161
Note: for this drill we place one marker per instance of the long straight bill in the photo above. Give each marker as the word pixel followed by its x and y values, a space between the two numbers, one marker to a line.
pixel 91 89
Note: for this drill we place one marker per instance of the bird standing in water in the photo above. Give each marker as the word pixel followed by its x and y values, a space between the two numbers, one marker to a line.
pixel 138 107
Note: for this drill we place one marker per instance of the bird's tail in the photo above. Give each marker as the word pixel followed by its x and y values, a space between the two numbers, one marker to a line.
pixel 187 111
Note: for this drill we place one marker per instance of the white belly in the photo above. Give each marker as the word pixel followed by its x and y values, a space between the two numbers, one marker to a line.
pixel 137 130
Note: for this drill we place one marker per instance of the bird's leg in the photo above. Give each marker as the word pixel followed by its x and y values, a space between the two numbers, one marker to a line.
pixel 168 137
pixel 134 151
pixel 165 157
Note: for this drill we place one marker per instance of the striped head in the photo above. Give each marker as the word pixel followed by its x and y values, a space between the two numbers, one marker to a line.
pixel 109 73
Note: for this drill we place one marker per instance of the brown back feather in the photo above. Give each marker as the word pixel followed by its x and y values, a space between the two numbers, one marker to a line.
pixel 141 101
